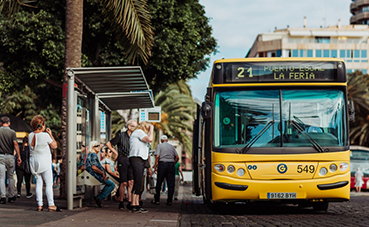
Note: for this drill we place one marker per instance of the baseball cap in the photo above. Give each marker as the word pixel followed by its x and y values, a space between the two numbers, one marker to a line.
pixel 164 137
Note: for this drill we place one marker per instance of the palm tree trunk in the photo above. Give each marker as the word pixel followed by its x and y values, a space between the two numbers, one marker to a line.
pixel 73 52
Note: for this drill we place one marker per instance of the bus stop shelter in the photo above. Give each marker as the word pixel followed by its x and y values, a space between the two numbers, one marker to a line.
pixel 98 90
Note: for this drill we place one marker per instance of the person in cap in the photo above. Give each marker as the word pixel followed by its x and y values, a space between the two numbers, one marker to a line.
pixel 8 142
pixel 165 160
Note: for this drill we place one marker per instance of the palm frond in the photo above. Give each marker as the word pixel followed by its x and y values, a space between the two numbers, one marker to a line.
pixel 134 29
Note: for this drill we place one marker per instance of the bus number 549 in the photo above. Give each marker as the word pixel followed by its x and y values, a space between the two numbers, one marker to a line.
pixel 306 168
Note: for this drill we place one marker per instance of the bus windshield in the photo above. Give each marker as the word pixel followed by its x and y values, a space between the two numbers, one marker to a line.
pixel 280 118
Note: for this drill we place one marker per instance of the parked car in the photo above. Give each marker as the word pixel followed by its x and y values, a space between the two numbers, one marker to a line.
pixel 359 158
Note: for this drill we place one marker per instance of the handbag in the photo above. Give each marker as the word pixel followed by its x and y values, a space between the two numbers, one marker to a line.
pixel 25 165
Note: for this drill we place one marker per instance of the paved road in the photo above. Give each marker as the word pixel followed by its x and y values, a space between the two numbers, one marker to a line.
pixel 352 213
pixel 188 211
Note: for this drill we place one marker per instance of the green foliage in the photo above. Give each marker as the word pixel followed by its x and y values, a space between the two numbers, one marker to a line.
pixel 32 47
pixel 358 90
pixel 182 44
pixel 178 109
pixel 118 123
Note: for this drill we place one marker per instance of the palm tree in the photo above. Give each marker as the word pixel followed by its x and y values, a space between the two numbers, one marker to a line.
pixel 359 93
pixel 118 122
pixel 177 116
pixel 20 103
pixel 131 19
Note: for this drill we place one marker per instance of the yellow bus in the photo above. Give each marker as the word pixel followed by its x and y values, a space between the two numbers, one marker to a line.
pixel 274 129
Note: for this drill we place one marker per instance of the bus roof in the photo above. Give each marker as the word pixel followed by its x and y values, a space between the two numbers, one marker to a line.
pixel 274 59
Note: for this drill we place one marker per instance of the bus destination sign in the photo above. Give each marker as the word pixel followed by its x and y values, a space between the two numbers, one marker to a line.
pixel 246 72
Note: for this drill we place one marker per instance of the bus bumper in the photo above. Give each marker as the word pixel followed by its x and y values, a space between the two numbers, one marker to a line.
pixel 335 188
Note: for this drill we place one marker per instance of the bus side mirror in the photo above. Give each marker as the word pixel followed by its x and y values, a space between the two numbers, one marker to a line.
pixel 206 109
pixel 351 109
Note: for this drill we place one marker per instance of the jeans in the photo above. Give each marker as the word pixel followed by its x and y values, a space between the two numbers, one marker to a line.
pixel 165 170
pixel 109 186
pixel 7 163
pixel 176 187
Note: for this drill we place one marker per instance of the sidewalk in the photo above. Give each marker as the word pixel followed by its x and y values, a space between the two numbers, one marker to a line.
pixel 23 212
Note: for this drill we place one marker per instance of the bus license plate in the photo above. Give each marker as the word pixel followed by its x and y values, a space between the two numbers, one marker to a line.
pixel 282 195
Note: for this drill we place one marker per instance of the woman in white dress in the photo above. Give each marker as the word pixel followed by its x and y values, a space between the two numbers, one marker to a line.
pixel 40 160
pixel 359 180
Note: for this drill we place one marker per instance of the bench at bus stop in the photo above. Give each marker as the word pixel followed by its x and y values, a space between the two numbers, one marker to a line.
pixel 86 179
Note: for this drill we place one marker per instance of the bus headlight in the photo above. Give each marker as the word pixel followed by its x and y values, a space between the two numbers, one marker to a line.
pixel 219 167
pixel 333 168
pixel 344 166
pixel 240 172
pixel 323 171
pixel 230 169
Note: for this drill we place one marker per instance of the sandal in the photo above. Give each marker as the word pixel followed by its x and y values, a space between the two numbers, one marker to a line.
pixel 54 209
pixel 154 202
pixel 40 208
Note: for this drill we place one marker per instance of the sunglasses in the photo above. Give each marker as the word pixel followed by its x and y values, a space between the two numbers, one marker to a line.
pixel 83 145
pixel 97 146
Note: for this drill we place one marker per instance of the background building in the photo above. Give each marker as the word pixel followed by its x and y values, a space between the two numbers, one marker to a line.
pixel 347 42
pixel 360 12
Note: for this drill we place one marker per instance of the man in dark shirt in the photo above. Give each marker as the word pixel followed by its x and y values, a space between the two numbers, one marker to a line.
pixel 124 167
pixel 8 142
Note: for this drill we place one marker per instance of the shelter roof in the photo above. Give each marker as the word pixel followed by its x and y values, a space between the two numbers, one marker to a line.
pixel 117 87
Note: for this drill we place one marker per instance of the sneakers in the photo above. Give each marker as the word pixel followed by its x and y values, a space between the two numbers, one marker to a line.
pixel 98 201
pixel 18 195
pixel 137 209
pixel 12 199
pixel 142 210
pixel 29 195
pixel 3 201
pixel 121 206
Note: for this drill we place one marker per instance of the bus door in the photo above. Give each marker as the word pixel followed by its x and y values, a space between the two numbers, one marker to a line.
pixel 196 155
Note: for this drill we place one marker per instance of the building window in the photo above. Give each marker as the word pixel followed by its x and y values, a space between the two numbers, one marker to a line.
pixel 342 53
pixel 349 71
pixel 349 54
pixel 322 39
pixel 364 71
pixel 302 53
pixel 365 9
pixel 334 53
pixel 326 53
pixel 295 53
pixel 309 53
pixel 363 54
pixel 279 53
pixel 318 53
pixel 356 53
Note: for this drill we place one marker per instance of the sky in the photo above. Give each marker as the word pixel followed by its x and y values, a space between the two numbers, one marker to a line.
pixel 236 24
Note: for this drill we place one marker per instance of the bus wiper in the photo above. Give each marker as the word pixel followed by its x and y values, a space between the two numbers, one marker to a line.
pixel 299 120
pixel 307 136
pixel 248 146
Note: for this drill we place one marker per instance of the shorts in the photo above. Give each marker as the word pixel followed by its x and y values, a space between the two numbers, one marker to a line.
pixel 124 169
pixel 138 166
